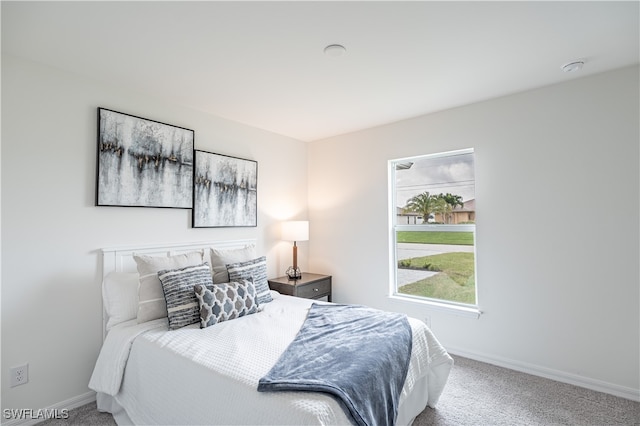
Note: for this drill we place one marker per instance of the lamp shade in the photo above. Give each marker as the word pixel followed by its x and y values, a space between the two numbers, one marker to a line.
pixel 295 230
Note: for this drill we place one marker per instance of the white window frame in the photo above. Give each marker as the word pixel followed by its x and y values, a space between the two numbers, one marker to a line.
pixel 463 309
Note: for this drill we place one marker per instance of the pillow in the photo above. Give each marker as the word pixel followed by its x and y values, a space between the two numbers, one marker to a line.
pixel 220 258
pixel 178 284
pixel 226 301
pixel 120 297
pixel 151 303
pixel 255 270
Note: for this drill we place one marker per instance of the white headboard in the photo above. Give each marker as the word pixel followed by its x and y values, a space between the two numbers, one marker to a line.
pixel 120 259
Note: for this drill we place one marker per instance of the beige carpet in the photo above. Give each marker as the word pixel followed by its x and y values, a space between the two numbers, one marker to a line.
pixel 483 394
pixel 480 394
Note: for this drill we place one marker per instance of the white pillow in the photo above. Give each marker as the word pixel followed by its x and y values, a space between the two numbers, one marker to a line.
pixel 151 301
pixel 220 259
pixel 120 297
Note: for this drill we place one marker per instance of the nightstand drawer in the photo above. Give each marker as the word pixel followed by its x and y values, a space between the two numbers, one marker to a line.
pixel 315 289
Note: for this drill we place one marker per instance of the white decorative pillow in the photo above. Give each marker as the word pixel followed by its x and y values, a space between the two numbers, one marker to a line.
pixel 120 297
pixel 220 259
pixel 151 303
pixel 178 286
pixel 255 270
pixel 225 301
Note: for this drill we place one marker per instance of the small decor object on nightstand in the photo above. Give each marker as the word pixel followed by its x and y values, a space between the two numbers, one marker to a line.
pixel 294 273
pixel 296 230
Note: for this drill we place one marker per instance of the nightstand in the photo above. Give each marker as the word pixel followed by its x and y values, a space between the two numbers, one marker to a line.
pixel 310 286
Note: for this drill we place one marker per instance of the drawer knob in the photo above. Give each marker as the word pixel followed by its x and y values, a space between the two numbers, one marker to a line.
pixel 315 289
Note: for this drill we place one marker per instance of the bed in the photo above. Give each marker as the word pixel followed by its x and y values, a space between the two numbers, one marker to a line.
pixel 148 374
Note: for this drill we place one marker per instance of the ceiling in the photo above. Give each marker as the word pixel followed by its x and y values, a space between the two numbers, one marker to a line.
pixel 262 63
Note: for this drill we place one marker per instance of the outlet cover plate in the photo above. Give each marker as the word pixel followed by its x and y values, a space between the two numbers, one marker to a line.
pixel 19 375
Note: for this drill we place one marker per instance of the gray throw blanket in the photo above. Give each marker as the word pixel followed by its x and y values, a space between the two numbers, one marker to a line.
pixel 357 354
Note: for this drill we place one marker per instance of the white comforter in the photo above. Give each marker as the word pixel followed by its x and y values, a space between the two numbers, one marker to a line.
pixel 210 376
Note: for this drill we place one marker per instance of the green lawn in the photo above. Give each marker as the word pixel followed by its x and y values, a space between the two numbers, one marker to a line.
pixel 455 280
pixel 435 237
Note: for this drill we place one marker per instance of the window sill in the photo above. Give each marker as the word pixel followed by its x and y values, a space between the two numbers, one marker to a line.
pixel 464 311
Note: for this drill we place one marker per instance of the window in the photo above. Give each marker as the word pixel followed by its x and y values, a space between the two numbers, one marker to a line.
pixel 433 228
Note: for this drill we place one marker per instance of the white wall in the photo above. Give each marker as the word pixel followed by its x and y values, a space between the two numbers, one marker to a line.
pixel 51 230
pixel 557 188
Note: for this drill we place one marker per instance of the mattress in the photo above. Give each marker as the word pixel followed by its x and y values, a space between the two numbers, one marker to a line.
pixel 149 375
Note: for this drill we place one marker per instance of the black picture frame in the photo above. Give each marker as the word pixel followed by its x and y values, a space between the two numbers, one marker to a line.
pixel 143 162
pixel 225 191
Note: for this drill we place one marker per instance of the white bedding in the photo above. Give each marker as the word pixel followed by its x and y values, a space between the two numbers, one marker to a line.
pixel 210 376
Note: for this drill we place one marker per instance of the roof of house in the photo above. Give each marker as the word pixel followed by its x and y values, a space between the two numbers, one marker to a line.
pixel 401 212
pixel 468 206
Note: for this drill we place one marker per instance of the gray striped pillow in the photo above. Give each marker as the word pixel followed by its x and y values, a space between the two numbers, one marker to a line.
pixel 255 270
pixel 178 285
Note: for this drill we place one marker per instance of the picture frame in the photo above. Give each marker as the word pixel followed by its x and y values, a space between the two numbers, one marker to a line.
pixel 143 162
pixel 225 191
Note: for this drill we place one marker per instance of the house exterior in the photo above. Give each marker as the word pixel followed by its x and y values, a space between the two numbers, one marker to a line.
pixel 464 214
pixel 407 218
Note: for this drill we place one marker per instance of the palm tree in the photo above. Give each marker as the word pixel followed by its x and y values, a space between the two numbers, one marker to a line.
pixel 441 207
pixel 450 201
pixel 422 203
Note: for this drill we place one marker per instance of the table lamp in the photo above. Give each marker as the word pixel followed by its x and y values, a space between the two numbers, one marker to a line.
pixel 295 230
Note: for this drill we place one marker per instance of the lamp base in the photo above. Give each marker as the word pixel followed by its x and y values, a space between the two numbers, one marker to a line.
pixel 294 273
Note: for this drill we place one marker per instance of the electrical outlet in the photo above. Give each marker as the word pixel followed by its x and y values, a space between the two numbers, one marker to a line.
pixel 19 375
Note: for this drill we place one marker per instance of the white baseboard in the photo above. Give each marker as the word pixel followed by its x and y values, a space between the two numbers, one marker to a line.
pixel 548 373
pixel 69 404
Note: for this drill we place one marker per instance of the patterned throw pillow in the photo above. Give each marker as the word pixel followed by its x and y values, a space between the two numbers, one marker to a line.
pixel 178 285
pixel 226 301
pixel 255 270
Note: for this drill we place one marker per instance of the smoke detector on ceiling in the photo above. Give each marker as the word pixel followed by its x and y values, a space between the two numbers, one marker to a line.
pixel 335 50
pixel 573 66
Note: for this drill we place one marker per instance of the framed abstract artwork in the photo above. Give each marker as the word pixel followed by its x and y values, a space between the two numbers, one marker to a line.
pixel 143 163
pixel 225 191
